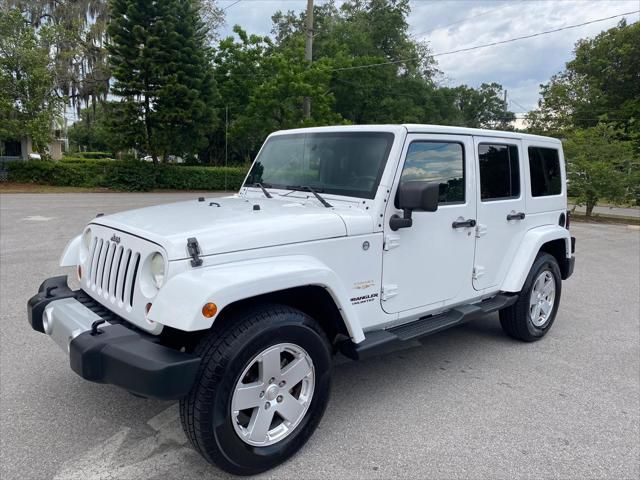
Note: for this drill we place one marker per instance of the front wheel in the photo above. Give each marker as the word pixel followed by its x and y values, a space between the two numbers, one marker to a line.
pixel 531 317
pixel 261 390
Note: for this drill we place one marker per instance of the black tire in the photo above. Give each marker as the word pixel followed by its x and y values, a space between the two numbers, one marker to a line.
pixel 206 412
pixel 515 320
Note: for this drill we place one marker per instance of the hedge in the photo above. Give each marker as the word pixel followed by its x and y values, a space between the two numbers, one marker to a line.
pixel 91 155
pixel 125 175
pixel 84 160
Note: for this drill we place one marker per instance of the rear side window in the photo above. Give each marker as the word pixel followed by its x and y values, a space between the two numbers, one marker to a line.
pixel 441 162
pixel 499 171
pixel 544 167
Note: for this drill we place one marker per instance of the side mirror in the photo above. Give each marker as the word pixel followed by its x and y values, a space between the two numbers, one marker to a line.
pixel 415 195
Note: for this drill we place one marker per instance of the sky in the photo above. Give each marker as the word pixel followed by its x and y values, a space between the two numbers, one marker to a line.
pixel 447 25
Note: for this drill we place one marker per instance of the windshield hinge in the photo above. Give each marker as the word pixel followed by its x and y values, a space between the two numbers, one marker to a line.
pixel 391 241
pixel 194 251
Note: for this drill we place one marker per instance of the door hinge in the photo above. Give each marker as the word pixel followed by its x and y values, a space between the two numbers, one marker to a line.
pixel 389 291
pixel 481 230
pixel 478 271
pixel 391 241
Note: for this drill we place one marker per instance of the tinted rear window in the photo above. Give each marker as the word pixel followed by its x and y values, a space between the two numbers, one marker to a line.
pixel 544 167
pixel 499 171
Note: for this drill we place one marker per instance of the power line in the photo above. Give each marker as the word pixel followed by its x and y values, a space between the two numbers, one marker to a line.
pixel 518 105
pixel 477 47
pixel 229 6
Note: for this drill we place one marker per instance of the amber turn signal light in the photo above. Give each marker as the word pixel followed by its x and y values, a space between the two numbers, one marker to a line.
pixel 209 309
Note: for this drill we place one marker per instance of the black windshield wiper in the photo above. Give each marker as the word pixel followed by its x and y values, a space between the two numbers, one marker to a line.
pixel 264 190
pixel 309 189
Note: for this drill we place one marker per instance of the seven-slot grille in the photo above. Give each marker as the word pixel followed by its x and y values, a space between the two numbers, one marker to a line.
pixel 112 270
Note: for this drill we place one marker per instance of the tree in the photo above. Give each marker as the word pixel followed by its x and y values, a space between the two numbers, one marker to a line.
pixel 595 103
pixel 481 108
pixel 263 81
pixel 600 166
pixel 361 33
pixel 277 102
pixel 77 48
pixel 600 84
pixel 380 74
pixel 264 87
pixel 239 69
pixel 213 18
pixel 92 131
pixel 29 104
pixel 163 76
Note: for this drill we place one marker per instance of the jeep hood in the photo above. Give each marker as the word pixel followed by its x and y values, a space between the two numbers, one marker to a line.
pixel 230 224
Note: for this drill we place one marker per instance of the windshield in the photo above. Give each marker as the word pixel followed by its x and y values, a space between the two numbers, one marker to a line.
pixel 342 163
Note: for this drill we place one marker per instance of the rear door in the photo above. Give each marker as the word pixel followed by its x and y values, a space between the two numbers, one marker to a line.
pixel 500 208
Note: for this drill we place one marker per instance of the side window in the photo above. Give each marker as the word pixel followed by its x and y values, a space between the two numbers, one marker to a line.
pixel 441 162
pixel 544 167
pixel 499 171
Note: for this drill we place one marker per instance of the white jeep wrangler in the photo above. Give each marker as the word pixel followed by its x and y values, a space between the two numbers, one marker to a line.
pixel 350 239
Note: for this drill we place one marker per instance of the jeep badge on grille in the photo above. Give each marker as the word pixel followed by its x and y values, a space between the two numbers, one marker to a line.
pixel 115 238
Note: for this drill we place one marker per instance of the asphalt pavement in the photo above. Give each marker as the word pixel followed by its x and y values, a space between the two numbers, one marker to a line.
pixel 465 403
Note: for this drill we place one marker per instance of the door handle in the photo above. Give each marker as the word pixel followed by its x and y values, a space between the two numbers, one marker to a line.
pixel 464 223
pixel 515 216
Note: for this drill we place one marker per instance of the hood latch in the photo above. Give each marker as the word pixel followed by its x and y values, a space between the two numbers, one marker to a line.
pixel 194 251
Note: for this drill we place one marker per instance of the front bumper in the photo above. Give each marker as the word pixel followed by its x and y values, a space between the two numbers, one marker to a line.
pixel 104 349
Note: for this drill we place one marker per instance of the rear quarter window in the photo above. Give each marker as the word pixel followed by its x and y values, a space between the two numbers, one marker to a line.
pixel 499 172
pixel 544 169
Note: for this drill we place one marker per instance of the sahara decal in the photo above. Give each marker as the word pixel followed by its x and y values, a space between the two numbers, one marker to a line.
pixel 363 285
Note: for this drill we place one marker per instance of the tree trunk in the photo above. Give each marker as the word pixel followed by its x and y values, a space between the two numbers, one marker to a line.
pixel 590 204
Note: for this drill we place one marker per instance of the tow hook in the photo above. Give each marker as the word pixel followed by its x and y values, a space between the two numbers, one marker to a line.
pixel 95 325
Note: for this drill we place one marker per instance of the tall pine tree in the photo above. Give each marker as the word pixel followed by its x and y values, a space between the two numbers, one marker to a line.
pixel 163 75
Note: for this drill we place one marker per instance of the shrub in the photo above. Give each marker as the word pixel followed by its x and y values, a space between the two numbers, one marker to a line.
pixel 54 173
pixel 125 175
pixel 91 155
pixel 84 160
pixel 199 178
pixel 131 176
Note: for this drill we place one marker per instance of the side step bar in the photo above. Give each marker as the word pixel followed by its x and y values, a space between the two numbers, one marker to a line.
pixel 379 340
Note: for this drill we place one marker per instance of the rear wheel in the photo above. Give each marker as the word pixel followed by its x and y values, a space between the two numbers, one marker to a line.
pixel 261 390
pixel 531 317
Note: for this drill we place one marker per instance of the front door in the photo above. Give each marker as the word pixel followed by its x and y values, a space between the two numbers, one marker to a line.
pixel 431 262
pixel 501 209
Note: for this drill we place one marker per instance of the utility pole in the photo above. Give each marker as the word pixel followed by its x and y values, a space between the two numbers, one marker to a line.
pixel 308 54
pixel 226 144
pixel 505 106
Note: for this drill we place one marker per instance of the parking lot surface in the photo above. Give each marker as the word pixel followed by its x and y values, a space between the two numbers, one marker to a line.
pixel 465 403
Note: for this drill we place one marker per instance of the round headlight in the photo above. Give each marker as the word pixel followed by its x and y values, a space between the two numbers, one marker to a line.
pixel 157 269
